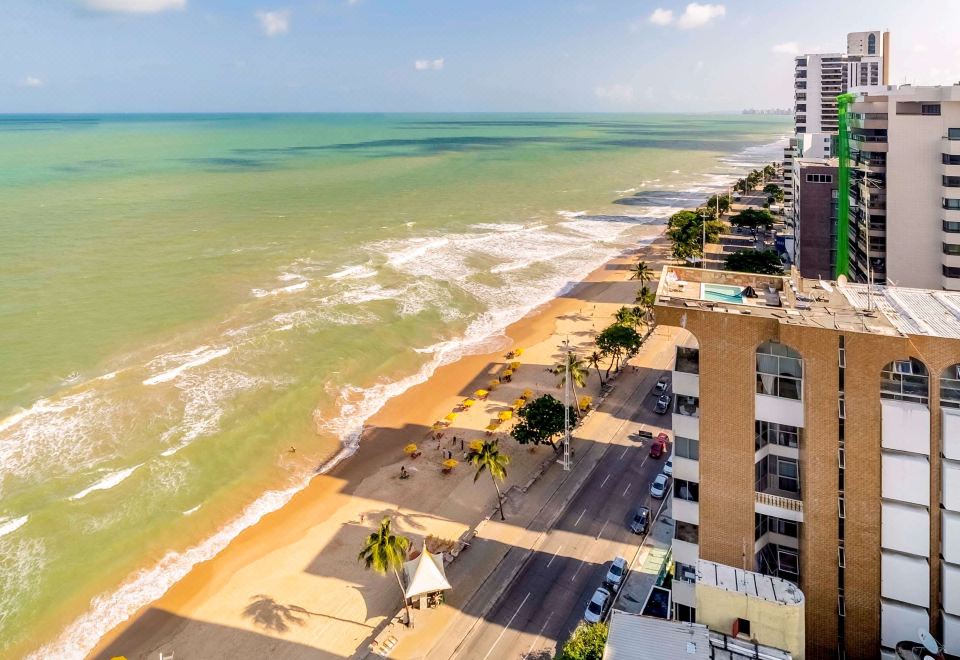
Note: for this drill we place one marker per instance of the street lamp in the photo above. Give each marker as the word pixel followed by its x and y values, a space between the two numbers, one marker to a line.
pixel 703 245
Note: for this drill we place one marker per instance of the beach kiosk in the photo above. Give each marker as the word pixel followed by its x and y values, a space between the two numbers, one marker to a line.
pixel 425 579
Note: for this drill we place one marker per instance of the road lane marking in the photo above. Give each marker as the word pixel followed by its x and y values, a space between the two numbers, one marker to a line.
pixel 579 517
pixel 601 529
pixel 530 650
pixel 579 566
pixel 507 627
pixel 604 481
pixel 554 556
pixel 626 489
pixel 624 452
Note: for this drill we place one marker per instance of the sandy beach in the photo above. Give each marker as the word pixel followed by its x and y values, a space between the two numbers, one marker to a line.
pixel 290 586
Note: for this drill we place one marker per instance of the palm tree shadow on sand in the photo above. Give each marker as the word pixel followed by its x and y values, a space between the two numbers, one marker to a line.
pixel 268 613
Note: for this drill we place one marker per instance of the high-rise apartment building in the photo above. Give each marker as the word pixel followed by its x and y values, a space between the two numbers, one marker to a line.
pixel 820 77
pixel 815 196
pixel 904 222
pixel 817 439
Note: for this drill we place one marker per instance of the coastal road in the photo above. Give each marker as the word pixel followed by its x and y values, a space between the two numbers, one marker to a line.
pixel 548 596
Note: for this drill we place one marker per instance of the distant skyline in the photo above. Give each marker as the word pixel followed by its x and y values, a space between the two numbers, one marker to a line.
pixel 439 55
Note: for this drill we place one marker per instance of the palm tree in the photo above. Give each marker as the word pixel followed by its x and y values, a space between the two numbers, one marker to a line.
pixel 578 375
pixel 385 551
pixel 641 272
pixel 645 300
pixel 624 316
pixel 488 457
pixel 594 361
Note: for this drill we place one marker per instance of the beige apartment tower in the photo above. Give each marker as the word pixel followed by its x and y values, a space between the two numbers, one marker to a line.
pixel 817 440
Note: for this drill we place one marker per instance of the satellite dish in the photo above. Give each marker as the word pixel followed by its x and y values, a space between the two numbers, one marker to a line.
pixel 841 279
pixel 929 641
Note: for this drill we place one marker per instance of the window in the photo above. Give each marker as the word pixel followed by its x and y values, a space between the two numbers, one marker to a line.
pixel 872 44
pixel 686 448
pixel 950 159
pixel 951 271
pixel 771 433
pixel 952 204
pixel 951 249
pixel 843 408
pixel 951 181
pixel 841 458
pixel 786 472
pixel 930 109
pixel 688 360
pixel 688 491
pixel 788 561
pixel 950 387
pixel 779 371
pixel 841 507
pixel 951 227
pixel 684 531
pixel 820 178
pixel 841 557
pixel 904 380
pixel 953 133
pixel 741 627
pixel 686 405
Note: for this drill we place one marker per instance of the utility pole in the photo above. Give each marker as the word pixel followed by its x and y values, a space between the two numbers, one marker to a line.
pixel 566 406
pixel 703 245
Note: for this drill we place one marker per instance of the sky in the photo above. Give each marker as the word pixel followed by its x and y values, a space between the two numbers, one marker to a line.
pixel 443 55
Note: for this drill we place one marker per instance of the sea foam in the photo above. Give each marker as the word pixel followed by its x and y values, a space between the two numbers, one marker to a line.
pixel 201 358
pixel 107 482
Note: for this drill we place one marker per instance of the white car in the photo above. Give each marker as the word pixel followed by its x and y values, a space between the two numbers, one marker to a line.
pixel 659 487
pixel 615 575
pixel 597 605
pixel 668 467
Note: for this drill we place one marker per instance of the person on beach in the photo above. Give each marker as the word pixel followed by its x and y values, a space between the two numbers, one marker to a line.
pixel 403 472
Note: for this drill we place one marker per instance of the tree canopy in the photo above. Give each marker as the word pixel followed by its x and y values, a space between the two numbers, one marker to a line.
pixel 754 218
pixel 765 262
pixel 540 421
pixel 618 341
pixel 724 201
pixel 585 643
pixel 685 230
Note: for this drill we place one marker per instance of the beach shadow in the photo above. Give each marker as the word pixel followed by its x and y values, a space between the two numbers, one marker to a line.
pixel 267 613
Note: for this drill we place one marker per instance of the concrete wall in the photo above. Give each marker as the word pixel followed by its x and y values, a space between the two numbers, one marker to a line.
pixel 814 211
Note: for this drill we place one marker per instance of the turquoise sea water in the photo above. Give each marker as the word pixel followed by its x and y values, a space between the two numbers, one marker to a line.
pixel 183 297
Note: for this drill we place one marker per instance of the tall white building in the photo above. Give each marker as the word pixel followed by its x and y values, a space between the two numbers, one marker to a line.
pixel 820 77
pixel 904 223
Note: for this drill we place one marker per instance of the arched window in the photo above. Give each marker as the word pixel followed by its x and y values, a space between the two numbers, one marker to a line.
pixel 950 387
pixel 872 44
pixel 779 371
pixel 905 380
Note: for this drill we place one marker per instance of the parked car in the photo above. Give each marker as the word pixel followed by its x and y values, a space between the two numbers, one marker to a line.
pixel 659 486
pixel 668 467
pixel 615 575
pixel 659 446
pixel 641 520
pixel 597 605
pixel 663 404
pixel 662 384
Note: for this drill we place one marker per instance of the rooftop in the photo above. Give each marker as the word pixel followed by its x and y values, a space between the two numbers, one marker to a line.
pixel 638 637
pixel 748 583
pixel 885 310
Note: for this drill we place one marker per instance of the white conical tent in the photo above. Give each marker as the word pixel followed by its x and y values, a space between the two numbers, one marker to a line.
pixel 425 575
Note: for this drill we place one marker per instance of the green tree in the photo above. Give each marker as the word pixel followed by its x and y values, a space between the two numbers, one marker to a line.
pixel 774 191
pixel 585 643
pixel 641 271
pixel 488 457
pixel 625 316
pixel 594 360
pixel 754 218
pixel 740 185
pixel 685 230
pixel 765 262
pixel 385 551
pixel 618 341
pixel 770 171
pixel 540 422
pixel 723 200
pixel 645 300
pixel 578 374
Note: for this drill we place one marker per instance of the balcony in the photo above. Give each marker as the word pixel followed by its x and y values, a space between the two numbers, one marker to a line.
pixel 779 506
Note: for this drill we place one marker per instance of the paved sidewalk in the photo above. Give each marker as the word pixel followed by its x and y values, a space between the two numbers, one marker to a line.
pixel 653 553
pixel 498 550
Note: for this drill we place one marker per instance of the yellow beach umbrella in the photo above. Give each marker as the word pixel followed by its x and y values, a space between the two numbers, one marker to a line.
pixel 518 352
pixel 507 373
pixel 451 416
pixel 585 402
pixel 410 449
pixel 518 403
pixel 476 445
pixel 481 394
pixel 450 463
pixel 514 365
pixel 467 403
pixel 493 426
pixel 493 384
pixel 527 394
pixel 505 415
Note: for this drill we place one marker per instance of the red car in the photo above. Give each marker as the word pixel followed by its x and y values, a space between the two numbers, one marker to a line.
pixel 659 446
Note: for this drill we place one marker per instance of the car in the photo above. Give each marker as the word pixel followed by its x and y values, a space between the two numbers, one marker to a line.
pixel 659 487
pixel 668 467
pixel 659 446
pixel 618 568
pixel 640 521
pixel 663 404
pixel 597 605
pixel 662 384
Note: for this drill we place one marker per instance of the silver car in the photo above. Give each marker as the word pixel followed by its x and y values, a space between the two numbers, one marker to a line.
pixel 597 605
pixel 615 575
pixel 659 486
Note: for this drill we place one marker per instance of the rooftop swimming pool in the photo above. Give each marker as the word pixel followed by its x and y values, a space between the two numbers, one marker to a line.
pixel 724 293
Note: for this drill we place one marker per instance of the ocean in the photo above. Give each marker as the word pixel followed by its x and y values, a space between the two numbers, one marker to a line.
pixel 184 297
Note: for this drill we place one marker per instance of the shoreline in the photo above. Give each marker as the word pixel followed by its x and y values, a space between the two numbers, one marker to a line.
pixel 385 433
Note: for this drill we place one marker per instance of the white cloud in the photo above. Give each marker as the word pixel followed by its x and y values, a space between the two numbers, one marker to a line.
pixel 616 93
pixel 31 81
pixel 698 66
pixel 697 15
pixel 134 6
pixel 661 17
pixel 429 65
pixel 786 48
pixel 920 48
pixel 274 22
